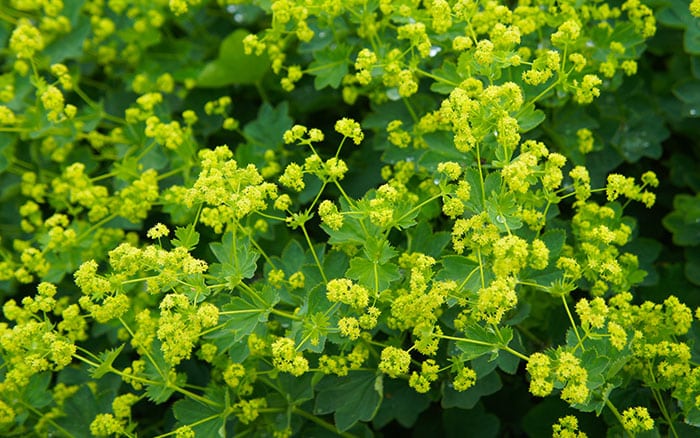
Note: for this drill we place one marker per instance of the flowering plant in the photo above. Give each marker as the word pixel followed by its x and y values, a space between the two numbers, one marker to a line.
pixel 296 218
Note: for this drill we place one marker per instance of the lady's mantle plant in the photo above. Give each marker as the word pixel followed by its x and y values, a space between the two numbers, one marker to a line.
pixel 159 282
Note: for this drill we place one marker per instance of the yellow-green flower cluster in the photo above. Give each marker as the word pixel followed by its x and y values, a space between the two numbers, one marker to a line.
pixel 287 359
pixel 345 291
pixel 637 419
pixel 618 185
pixel 428 373
pixel 567 427
pixel 228 191
pixel 599 231
pixel 564 371
pixel 495 300
pixel 465 379
pixel 180 325
pixel 26 40
pixel 394 362
pixel 30 343
pixel 476 234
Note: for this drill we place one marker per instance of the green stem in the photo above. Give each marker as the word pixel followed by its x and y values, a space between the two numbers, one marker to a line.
pixel 313 253
pixel 573 323
pixel 617 415
pixel 322 423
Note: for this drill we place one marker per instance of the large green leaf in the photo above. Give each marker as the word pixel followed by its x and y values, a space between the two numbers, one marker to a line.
pixel 233 66
pixel 330 66
pixel 401 403
pixel 352 398
pixel 267 129
pixel 373 275
pixel 205 420
pixel 684 220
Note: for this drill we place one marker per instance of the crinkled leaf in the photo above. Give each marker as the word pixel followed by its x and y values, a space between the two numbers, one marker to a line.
pixel 422 238
pixel 352 398
pixel 268 128
pixel 330 66
pixel 372 275
pixel 481 423
pixel 502 210
pixel 401 403
pixel 205 420
pixel 299 389
pixel 237 260
pixel 684 221
pixel 36 393
pixel 186 237
pixel 529 118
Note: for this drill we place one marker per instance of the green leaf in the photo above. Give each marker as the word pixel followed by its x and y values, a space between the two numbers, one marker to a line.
pixel 554 240
pixel 423 239
pixel 204 419
pixel 186 237
pixel 352 398
pixel 299 389
pixel 69 46
pixel 688 92
pixel 684 220
pixel 482 340
pixel 372 275
pixel 529 118
pixel 237 260
pixel 440 147
pixel 233 66
pixel 401 403
pixel 107 358
pixel 692 264
pixel 267 129
pixel 157 371
pixel 80 410
pixel 352 231
pixel 330 66
pixel 449 78
pixel 240 318
pixel 481 423
pixel 36 393
pixel 463 271
pixel 502 210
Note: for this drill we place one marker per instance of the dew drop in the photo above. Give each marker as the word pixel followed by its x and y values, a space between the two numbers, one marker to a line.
pixel 693 112
pixel 500 219
pixel 238 18
pixel 435 50
pixel 393 94
pixel 436 181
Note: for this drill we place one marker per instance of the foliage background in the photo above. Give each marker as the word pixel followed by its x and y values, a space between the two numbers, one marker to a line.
pixel 117 52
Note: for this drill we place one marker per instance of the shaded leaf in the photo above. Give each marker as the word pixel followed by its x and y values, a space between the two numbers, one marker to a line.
pixel 352 398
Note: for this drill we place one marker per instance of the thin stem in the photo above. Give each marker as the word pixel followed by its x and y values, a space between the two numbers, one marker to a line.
pixel 322 423
pixel 573 323
pixel 313 253
pixel 617 415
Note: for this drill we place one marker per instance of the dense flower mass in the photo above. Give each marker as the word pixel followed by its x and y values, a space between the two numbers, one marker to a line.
pixel 359 213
